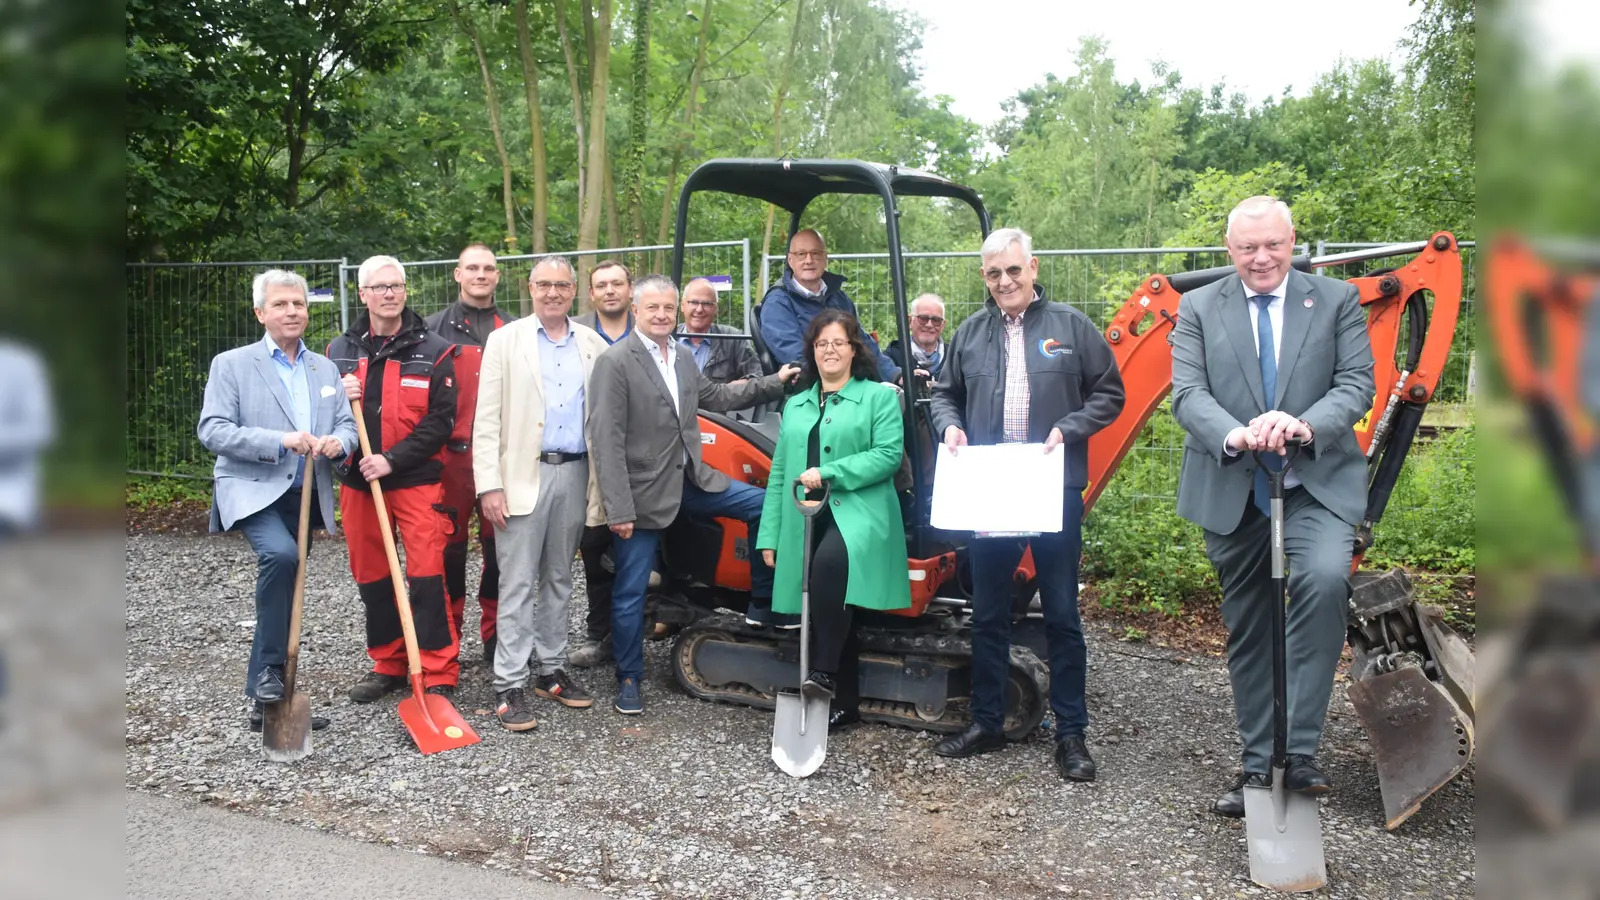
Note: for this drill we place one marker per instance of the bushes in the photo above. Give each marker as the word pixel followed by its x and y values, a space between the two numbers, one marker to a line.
pixel 1141 556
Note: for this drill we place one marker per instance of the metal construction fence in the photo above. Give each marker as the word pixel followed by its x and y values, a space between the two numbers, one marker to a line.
pixel 180 315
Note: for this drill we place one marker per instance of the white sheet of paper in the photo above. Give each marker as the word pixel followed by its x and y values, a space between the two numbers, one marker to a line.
pixel 1007 488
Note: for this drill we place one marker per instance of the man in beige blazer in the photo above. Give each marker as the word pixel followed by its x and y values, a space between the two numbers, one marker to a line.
pixel 536 485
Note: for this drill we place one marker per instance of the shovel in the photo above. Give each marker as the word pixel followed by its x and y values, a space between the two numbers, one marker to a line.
pixel 1282 827
pixel 433 721
pixel 800 725
pixel 286 725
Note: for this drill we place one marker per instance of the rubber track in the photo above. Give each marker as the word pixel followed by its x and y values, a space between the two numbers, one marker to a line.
pixel 1027 673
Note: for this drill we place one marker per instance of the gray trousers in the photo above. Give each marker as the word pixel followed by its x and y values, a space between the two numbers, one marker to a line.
pixel 1318 545
pixel 538 548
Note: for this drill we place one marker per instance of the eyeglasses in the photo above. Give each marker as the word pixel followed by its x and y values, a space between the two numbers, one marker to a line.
pixel 709 303
pixel 835 345
pixel 386 288
pixel 929 320
pixel 552 286
pixel 808 254
pixel 993 275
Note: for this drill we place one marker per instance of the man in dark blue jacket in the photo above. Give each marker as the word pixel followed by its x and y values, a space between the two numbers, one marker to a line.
pixel 1026 370
pixel 806 289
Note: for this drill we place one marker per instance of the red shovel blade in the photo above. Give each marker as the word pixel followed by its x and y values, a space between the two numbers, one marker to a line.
pixel 434 723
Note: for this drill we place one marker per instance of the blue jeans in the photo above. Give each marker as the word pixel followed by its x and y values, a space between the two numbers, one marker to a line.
pixel 1055 559
pixel 271 533
pixel 635 556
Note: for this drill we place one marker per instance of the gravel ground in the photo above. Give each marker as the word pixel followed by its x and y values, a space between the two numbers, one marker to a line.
pixel 684 801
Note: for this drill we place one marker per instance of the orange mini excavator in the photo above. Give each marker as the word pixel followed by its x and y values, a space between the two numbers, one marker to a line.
pixel 1411 676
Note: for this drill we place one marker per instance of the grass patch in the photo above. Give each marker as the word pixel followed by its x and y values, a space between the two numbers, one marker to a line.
pixel 143 492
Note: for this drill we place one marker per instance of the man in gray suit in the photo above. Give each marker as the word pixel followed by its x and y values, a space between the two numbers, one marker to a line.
pixel 646 399
pixel 1272 356
pixel 270 406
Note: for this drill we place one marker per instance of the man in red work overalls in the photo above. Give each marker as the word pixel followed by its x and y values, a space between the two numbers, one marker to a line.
pixel 404 376
pixel 467 324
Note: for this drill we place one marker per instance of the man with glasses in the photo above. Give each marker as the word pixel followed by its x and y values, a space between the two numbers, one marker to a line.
pixel 403 375
pixel 537 486
pixel 927 338
pixel 805 290
pixel 721 361
pixel 1027 370
pixel 467 324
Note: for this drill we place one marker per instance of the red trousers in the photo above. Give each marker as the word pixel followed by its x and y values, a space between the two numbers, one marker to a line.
pixel 460 500
pixel 422 526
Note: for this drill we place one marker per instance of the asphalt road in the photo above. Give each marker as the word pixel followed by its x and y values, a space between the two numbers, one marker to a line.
pixel 178 850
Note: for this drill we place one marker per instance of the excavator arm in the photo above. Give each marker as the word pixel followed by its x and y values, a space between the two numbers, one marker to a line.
pixel 1411 678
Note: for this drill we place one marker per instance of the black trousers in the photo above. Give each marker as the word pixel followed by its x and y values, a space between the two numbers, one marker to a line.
pixel 597 580
pixel 835 646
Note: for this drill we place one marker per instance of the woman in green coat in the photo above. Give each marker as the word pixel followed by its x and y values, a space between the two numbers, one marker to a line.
pixel 844 428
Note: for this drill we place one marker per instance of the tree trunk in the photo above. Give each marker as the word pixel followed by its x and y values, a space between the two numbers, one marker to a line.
pixel 577 97
pixel 541 179
pixel 471 30
pixel 777 113
pixel 681 145
pixel 613 228
pixel 633 174
pixel 599 78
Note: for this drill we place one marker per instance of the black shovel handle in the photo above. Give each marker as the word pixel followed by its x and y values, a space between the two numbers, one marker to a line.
pixel 1280 582
pixel 798 490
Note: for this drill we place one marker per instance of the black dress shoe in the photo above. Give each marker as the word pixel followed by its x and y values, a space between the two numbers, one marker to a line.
pixel 269 684
pixel 1073 760
pixel 1303 777
pixel 317 722
pixel 1231 804
pixel 971 742
pixel 448 691
pixel 843 720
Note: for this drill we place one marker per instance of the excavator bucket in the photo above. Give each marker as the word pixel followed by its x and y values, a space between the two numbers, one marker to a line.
pixel 1412 688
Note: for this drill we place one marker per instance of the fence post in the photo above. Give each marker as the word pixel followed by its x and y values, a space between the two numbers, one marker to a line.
pixel 1322 247
pixel 344 298
pixel 746 246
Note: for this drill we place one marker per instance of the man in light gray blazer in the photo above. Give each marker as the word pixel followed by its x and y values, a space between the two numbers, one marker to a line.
pixel 644 416
pixel 270 406
pixel 1266 357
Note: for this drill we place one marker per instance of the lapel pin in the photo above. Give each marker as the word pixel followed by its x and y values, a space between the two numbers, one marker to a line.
pixel 1308 303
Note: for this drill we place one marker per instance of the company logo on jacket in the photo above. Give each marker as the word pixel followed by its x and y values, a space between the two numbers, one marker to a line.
pixel 1051 347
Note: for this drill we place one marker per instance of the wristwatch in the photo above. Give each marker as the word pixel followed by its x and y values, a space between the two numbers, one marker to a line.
pixel 1309 431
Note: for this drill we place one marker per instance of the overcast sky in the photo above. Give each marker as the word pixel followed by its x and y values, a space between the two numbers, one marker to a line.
pixel 982 53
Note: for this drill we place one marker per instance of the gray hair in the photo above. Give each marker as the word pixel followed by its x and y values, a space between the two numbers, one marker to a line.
pixel 654 282
pixel 933 297
pixel 704 281
pixel 1001 238
pixel 557 260
pixel 373 264
pixel 1258 206
pixel 277 277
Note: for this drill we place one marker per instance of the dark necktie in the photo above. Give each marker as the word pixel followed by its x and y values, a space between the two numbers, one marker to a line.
pixel 1269 386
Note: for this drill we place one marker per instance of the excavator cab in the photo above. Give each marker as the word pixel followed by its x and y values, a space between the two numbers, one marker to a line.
pixel 915 663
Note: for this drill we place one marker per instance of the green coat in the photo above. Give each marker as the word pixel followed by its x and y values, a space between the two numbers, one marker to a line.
pixel 862 440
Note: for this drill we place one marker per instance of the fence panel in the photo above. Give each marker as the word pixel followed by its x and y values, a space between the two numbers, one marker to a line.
pixel 180 315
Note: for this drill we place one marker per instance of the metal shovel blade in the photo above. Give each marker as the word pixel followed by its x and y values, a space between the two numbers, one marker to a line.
pixel 800 733
pixel 434 722
pixel 286 728
pixel 1285 836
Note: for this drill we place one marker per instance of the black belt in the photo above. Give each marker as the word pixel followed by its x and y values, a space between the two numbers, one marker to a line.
pixel 556 458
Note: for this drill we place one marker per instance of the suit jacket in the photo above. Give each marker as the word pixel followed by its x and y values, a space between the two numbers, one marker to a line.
pixel 729 360
pixel 508 423
pixel 640 438
pixel 243 420
pixel 1324 376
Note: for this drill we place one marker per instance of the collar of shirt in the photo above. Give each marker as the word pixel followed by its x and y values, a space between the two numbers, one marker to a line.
pixel 922 355
pixel 1277 294
pixel 671 356
pixel 807 292
pixel 277 352
pixel 539 327
pixel 1009 319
